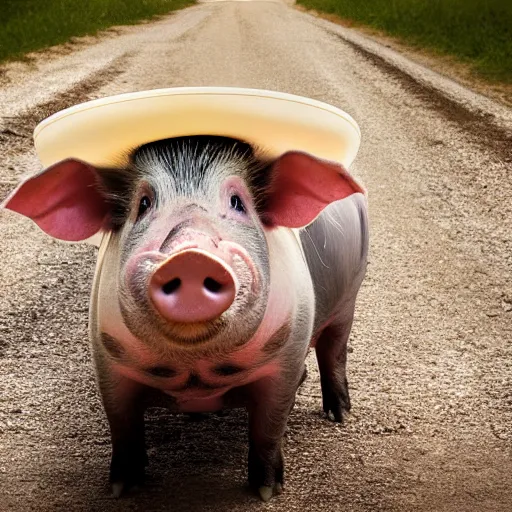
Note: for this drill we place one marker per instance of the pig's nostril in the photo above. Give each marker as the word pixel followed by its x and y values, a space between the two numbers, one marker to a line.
pixel 211 285
pixel 171 286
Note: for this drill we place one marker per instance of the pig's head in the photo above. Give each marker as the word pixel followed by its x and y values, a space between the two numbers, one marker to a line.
pixel 189 218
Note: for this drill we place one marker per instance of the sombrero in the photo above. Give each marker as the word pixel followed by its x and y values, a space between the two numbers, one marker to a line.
pixel 103 132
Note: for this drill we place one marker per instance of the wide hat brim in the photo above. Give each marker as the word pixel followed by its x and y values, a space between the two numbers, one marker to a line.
pixel 104 132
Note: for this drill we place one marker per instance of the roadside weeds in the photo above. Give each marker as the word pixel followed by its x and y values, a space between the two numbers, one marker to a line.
pixel 443 64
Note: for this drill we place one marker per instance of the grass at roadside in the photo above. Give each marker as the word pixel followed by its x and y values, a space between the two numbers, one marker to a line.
pixel 477 32
pixel 28 25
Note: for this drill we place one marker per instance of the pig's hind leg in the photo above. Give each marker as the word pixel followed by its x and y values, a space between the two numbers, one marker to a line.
pixel 331 354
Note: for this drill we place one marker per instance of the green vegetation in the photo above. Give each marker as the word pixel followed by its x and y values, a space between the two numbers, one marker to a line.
pixel 478 32
pixel 28 25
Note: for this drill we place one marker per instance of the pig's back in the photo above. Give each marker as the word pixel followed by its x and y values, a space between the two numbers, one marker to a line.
pixel 336 249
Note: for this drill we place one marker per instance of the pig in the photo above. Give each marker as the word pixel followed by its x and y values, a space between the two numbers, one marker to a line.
pixel 218 269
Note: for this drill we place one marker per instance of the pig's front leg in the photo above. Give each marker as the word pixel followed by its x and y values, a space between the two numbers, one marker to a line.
pixel 123 400
pixel 271 402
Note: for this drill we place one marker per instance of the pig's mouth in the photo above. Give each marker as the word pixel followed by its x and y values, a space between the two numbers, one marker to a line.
pixel 184 334
pixel 194 333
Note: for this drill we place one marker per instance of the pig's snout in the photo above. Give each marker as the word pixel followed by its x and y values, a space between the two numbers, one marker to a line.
pixel 192 286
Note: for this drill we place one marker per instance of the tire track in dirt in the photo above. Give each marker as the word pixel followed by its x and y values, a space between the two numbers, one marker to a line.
pixel 16 136
pixel 479 125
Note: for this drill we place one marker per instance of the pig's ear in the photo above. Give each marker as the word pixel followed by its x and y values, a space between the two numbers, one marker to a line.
pixel 63 200
pixel 302 186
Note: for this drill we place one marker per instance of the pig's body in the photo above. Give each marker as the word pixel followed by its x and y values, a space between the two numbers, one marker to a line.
pixel 336 249
pixel 206 295
pixel 315 274
pixel 198 379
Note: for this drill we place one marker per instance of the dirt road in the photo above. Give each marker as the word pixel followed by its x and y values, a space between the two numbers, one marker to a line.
pixel 431 351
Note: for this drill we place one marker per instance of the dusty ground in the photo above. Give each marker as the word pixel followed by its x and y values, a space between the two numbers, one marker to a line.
pixel 431 350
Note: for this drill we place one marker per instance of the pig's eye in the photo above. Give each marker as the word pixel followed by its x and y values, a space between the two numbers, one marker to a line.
pixel 144 204
pixel 236 204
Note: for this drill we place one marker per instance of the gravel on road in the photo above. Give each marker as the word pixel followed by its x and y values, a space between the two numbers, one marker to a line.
pixel 430 363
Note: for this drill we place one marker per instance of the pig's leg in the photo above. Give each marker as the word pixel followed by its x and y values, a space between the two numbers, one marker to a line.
pixel 304 376
pixel 123 401
pixel 331 354
pixel 270 405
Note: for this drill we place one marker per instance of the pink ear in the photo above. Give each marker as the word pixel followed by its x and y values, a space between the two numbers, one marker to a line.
pixel 302 186
pixel 63 200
